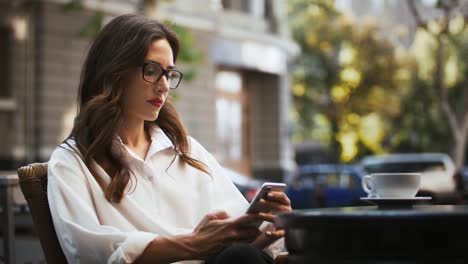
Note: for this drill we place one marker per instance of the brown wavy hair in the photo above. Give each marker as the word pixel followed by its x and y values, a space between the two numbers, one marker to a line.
pixel 121 45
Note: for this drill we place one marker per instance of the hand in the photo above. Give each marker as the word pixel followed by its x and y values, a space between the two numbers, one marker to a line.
pixel 217 230
pixel 273 203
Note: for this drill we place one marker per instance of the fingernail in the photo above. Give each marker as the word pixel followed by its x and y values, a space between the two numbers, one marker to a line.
pixel 268 233
pixel 270 195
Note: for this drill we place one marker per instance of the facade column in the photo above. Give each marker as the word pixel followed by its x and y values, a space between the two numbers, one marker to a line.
pixel 257 8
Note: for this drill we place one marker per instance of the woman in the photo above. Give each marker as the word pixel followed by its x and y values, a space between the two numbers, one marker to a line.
pixel 128 184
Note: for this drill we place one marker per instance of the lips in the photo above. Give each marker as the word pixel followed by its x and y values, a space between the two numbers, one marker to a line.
pixel 157 102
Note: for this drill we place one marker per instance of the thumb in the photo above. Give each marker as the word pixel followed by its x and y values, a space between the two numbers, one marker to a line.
pixel 219 215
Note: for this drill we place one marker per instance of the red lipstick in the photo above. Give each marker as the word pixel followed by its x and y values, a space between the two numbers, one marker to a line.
pixel 157 102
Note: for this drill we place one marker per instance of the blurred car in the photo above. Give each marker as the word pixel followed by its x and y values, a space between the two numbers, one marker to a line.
pixel 246 185
pixel 324 185
pixel 439 177
pixel 462 184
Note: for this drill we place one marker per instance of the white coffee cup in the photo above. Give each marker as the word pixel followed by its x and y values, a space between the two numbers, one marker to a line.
pixel 391 185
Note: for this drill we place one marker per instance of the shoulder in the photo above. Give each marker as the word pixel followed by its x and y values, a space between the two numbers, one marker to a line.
pixel 197 150
pixel 65 153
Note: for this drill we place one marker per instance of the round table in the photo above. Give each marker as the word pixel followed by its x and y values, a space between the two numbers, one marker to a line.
pixel 421 234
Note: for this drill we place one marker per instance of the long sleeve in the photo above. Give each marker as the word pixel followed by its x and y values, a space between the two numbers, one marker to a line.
pixel 228 198
pixel 81 235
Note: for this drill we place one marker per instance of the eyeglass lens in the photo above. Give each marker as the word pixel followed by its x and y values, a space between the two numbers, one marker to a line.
pixel 152 73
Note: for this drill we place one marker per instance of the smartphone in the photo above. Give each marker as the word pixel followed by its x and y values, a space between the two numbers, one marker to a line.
pixel 266 187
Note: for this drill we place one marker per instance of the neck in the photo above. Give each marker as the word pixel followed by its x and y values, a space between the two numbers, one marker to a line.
pixel 132 133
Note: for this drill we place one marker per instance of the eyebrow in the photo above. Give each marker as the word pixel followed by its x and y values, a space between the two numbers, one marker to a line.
pixel 168 67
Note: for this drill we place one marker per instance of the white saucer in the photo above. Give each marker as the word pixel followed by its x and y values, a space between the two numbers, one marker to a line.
pixel 390 202
pixel 417 198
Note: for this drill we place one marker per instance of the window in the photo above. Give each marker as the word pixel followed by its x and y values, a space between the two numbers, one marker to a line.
pixel 238 5
pixel 231 122
pixel 5 38
pixel 269 9
pixel 269 15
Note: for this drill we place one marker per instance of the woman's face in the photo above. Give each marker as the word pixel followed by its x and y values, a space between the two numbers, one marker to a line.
pixel 143 100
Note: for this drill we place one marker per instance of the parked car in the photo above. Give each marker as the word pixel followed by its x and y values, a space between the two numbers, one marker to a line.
pixel 246 185
pixel 325 185
pixel 437 169
pixel 462 184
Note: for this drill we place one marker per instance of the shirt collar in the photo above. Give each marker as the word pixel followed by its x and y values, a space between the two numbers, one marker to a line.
pixel 159 141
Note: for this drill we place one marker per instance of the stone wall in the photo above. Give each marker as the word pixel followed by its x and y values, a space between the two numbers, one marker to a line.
pixel 196 98
pixel 62 53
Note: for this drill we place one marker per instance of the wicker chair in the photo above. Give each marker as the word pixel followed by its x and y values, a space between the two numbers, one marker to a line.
pixel 33 182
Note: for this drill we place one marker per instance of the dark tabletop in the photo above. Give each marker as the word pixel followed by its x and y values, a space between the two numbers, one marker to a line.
pixel 421 233
pixel 372 213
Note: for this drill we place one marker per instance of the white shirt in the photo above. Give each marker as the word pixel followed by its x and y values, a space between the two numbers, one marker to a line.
pixel 165 200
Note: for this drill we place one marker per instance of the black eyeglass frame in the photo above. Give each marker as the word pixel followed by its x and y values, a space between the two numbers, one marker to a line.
pixel 164 72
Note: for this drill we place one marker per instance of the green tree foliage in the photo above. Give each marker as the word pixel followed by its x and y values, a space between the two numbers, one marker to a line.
pixel 440 51
pixel 348 81
pixel 189 54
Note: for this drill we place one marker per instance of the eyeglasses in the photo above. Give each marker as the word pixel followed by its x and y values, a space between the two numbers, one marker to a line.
pixel 152 73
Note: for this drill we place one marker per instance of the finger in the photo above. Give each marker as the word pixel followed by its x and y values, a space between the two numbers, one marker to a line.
pixel 279 197
pixel 275 233
pixel 270 206
pixel 218 215
pixel 268 217
pixel 247 219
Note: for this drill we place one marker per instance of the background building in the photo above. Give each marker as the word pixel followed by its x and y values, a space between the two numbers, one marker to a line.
pixel 237 106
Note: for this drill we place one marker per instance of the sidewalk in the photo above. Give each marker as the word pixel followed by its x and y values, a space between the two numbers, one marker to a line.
pixel 28 247
pixel 28 250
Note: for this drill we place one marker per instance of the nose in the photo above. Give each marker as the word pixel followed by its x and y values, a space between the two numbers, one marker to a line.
pixel 163 84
